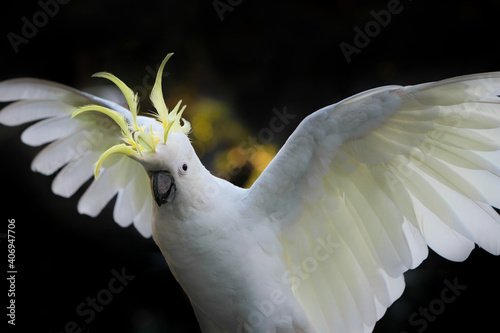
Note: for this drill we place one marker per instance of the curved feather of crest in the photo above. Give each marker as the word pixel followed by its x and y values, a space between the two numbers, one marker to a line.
pixel 139 138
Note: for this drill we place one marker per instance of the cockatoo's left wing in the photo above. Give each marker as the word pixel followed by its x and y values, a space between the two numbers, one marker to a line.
pixel 363 186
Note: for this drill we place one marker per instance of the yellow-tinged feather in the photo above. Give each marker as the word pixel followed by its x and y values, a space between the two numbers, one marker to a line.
pixel 145 141
pixel 166 130
pixel 156 140
pixel 117 117
pixel 156 97
pixel 117 149
pixel 131 97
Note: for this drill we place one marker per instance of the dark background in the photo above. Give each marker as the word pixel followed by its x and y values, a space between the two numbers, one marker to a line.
pixel 262 55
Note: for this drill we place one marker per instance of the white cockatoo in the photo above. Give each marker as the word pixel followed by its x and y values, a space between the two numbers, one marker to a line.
pixel 320 242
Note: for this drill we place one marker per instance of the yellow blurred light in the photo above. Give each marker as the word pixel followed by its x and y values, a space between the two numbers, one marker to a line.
pixel 203 130
pixel 262 158
pixel 236 157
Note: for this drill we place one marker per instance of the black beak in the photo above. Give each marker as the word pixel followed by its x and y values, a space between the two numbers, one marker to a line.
pixel 163 186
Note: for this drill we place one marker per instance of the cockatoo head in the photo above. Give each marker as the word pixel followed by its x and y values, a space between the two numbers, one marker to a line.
pixel 161 145
pixel 174 169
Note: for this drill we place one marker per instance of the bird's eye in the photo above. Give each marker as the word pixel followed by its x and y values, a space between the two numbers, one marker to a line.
pixel 184 168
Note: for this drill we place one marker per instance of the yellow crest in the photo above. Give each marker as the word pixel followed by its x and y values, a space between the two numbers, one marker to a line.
pixel 139 138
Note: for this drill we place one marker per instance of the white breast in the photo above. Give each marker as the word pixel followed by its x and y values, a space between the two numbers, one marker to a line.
pixel 230 267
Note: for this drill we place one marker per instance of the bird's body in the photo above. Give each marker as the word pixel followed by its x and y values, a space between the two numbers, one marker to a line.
pixel 320 242
pixel 232 284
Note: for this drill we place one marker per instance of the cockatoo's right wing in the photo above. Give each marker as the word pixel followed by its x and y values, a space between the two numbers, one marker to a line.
pixel 76 145
pixel 363 186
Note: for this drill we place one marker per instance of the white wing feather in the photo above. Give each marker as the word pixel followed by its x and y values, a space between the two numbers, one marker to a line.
pixel 377 178
pixel 76 144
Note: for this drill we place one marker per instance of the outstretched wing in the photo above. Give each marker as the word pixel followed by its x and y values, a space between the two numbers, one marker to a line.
pixel 75 146
pixel 363 186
